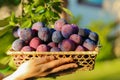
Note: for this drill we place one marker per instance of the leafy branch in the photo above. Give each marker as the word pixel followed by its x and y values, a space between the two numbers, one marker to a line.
pixel 46 11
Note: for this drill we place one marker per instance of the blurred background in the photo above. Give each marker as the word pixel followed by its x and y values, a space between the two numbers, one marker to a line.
pixel 101 16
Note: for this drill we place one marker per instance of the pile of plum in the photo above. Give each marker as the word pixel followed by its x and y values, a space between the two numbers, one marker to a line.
pixel 63 37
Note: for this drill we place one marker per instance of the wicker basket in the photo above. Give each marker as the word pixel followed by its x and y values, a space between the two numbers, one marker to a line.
pixel 84 59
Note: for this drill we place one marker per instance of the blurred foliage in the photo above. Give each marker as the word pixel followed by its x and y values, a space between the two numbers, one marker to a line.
pixel 6 39
pixel 76 20
pixel 5 42
pixel 104 29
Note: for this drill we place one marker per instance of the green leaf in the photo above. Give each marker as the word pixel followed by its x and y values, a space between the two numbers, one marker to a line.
pixel 4 30
pixel 16 2
pixel 26 24
pixel 4 22
pixel 38 2
pixel 40 9
pixel 12 64
pixel 5 44
pixel 57 3
pixel 68 11
pixel 57 8
pixel 12 23
pixel 7 70
pixel 12 18
pixel 56 15
pixel 38 17
pixel 6 41
pixel 32 15
pixel 56 0
pixel 5 60
pixel 27 9
pixel 48 14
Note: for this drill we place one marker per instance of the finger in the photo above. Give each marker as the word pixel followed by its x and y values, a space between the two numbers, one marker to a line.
pixel 42 60
pixel 56 63
pixel 46 59
pixel 58 69
pixel 64 67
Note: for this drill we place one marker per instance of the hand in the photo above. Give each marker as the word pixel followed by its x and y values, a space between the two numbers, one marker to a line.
pixel 42 67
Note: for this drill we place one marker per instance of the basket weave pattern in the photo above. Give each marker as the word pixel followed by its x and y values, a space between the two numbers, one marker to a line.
pixel 85 60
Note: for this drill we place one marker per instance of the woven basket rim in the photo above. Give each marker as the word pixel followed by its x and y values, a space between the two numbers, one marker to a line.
pixel 12 52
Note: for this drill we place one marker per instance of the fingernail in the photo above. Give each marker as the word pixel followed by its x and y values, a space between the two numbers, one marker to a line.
pixel 49 58
pixel 70 59
pixel 75 65
pixel 52 57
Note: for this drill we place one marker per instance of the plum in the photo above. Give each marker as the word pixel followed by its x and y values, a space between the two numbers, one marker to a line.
pixel 81 32
pixel 89 44
pixel 87 32
pixel 52 30
pixel 67 30
pixel 42 48
pixel 57 37
pixel 44 34
pixel 59 24
pixel 59 45
pixel 36 26
pixel 27 49
pixel 35 42
pixel 25 34
pixel 15 31
pixel 34 33
pixel 52 44
pixel 94 36
pixel 75 28
pixel 76 38
pixel 55 49
pixel 79 48
pixel 67 45
pixel 84 32
pixel 17 44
